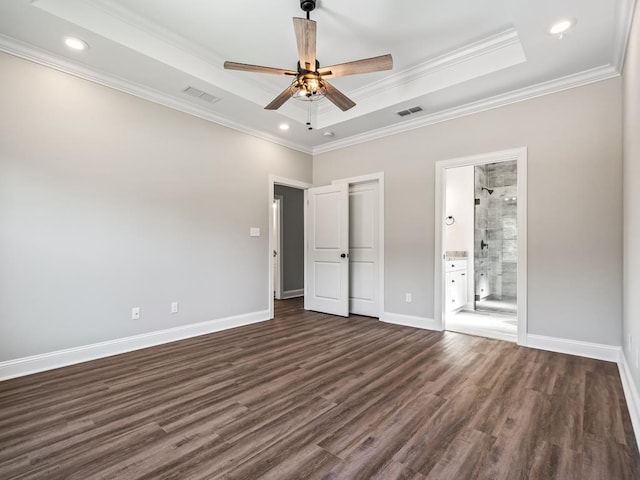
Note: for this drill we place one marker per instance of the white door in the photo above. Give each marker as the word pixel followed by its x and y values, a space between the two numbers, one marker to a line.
pixel 327 272
pixel 363 249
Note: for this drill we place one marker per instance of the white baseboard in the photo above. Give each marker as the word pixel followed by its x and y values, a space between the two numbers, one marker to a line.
pixel 598 351
pixel 411 321
pixel 631 394
pixel 293 293
pixel 62 358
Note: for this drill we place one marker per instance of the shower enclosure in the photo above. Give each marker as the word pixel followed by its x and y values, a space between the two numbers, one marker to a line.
pixel 496 237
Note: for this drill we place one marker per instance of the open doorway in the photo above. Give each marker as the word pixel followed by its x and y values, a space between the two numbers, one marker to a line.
pixel 288 252
pixel 482 245
pixel 287 199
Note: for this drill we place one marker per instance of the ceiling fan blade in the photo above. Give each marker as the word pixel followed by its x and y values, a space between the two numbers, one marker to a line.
pixel 245 67
pixel 367 65
pixel 338 98
pixel 306 40
pixel 277 102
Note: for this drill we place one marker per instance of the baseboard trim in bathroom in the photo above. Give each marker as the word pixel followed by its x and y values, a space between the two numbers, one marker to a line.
pixel 411 321
pixel 609 353
pixel 631 395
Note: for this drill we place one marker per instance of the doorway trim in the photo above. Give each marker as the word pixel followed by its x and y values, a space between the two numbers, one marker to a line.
pixel 288 182
pixel 373 177
pixel 277 247
pixel 520 155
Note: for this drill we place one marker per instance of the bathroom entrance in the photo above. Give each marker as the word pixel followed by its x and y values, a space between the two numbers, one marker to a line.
pixel 482 245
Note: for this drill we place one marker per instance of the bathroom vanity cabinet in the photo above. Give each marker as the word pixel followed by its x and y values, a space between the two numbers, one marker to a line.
pixel 456 284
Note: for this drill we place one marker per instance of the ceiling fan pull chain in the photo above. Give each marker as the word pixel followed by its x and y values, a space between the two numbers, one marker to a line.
pixel 309 127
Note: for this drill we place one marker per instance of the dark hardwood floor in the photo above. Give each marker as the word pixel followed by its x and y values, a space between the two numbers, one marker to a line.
pixel 312 396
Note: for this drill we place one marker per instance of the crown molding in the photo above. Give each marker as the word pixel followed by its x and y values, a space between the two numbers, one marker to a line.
pixel 124 27
pixel 473 50
pixel 598 74
pixel 624 21
pixel 27 52
pixel 491 54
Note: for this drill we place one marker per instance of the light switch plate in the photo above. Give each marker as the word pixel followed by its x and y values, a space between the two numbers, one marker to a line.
pixel 254 232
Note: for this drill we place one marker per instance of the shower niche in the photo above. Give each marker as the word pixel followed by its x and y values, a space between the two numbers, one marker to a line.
pixel 496 236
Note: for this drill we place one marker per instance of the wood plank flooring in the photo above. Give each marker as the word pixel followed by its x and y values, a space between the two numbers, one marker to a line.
pixel 312 396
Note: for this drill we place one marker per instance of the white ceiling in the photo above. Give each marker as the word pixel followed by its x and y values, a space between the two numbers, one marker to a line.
pixel 451 58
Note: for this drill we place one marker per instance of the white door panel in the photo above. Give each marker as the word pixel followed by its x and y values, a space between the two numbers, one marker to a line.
pixel 364 288
pixel 327 283
pixel 324 279
pixel 326 211
pixel 364 249
pixel 362 227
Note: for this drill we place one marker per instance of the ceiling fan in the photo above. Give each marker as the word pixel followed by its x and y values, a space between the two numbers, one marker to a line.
pixel 310 80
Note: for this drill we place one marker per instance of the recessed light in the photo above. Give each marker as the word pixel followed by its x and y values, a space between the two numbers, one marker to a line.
pixel 561 27
pixel 76 43
pixel 284 126
pixel 328 134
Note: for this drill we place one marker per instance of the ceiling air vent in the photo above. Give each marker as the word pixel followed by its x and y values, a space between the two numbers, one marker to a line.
pixel 196 92
pixel 409 111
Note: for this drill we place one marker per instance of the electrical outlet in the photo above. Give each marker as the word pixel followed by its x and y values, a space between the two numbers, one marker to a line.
pixel 408 297
pixel 135 313
pixel 174 307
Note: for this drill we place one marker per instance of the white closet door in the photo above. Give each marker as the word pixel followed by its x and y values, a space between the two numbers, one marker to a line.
pixel 364 249
pixel 327 272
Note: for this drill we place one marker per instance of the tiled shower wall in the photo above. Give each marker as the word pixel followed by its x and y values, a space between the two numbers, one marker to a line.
pixel 496 224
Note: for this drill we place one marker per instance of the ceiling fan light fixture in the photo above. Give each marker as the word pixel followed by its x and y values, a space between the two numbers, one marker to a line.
pixel 308 88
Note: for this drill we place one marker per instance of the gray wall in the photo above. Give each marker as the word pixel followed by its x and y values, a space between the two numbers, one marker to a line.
pixel 631 95
pixel 574 204
pixel 109 202
pixel 292 237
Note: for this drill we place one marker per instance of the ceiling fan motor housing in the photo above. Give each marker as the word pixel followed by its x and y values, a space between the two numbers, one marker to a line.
pixel 308 5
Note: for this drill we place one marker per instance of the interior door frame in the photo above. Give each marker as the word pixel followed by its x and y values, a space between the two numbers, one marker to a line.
pixel 379 177
pixel 520 155
pixel 287 182
pixel 279 201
